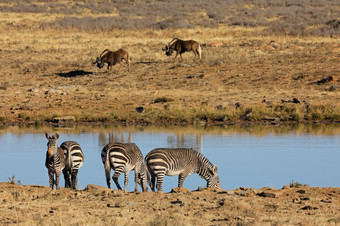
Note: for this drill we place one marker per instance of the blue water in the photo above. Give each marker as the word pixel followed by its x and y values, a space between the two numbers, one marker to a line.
pixel 243 159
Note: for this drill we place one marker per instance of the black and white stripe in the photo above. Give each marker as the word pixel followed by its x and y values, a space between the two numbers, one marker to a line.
pixel 182 162
pixel 74 158
pixel 124 157
pixel 55 161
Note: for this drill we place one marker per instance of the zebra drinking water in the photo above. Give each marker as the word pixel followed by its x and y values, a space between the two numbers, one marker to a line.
pixel 124 157
pixel 74 158
pixel 182 162
pixel 55 160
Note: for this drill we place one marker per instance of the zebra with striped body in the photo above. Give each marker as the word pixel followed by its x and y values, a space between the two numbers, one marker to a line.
pixel 182 162
pixel 124 157
pixel 55 160
pixel 74 158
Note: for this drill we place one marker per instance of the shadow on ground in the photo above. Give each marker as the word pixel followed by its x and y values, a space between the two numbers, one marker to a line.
pixel 74 73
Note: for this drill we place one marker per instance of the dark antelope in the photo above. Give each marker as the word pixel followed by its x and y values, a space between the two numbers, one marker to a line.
pixel 182 162
pixel 74 158
pixel 111 58
pixel 124 158
pixel 55 160
pixel 181 46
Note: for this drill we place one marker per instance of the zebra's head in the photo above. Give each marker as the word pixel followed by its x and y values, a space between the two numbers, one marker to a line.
pixel 52 145
pixel 214 180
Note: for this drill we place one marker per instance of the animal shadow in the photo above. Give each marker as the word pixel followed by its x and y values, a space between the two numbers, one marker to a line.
pixel 74 73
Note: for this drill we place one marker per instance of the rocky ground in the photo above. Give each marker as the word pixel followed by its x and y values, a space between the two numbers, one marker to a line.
pixel 291 205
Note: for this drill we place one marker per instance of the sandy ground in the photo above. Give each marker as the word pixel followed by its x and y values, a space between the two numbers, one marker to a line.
pixel 38 205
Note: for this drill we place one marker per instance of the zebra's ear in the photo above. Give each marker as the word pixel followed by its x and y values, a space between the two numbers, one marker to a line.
pixel 46 134
pixel 57 135
pixel 215 169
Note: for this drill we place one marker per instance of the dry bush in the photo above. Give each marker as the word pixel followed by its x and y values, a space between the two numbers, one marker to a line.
pixel 287 17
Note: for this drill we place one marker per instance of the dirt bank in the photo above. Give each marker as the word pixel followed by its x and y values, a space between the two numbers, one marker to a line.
pixel 302 205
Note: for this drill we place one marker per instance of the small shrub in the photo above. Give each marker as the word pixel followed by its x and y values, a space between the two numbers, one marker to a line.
pixel 316 116
pixel 163 100
pixel 295 184
pixel 24 116
pixel 12 180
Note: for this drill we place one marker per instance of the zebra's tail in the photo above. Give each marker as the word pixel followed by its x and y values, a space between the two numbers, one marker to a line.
pixel 107 166
pixel 69 162
pixel 147 170
pixel 147 174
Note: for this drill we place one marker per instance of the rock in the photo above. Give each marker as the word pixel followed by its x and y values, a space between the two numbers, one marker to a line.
pixel 177 202
pixel 52 91
pixel 66 88
pixel 271 118
pixel 179 190
pixel 96 188
pixel 140 109
pixel 295 101
pixel 34 90
pixel 64 119
pixel 324 80
pixel 310 207
pixel 301 191
pixel 271 194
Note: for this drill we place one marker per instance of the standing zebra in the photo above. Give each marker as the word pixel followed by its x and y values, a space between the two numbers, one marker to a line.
pixel 55 160
pixel 182 162
pixel 74 158
pixel 124 157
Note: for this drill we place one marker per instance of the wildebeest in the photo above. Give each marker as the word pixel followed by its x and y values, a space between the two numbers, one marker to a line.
pixel 182 46
pixel 111 58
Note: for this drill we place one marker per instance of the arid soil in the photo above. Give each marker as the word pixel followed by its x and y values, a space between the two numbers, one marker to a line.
pixel 242 76
pixel 38 205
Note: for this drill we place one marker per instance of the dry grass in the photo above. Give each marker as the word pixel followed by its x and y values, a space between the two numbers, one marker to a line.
pixel 251 77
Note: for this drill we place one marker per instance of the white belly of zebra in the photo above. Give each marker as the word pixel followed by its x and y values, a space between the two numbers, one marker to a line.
pixel 173 172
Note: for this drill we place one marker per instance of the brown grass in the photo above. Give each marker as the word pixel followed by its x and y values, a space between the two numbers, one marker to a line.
pixel 251 77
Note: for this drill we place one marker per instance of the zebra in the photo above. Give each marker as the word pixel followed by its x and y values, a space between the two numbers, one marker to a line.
pixel 182 162
pixel 55 160
pixel 124 157
pixel 74 158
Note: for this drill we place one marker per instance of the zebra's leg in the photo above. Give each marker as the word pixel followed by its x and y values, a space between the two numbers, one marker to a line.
pixel 67 178
pixel 126 180
pixel 152 183
pixel 181 179
pixel 160 178
pixel 57 180
pixel 108 182
pixel 115 179
pixel 74 179
pixel 138 180
pixel 51 179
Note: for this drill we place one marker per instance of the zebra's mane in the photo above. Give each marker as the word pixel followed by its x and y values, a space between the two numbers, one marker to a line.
pixel 203 160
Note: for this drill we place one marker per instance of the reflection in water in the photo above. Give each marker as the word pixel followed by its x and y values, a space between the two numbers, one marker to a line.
pixel 251 156
pixel 177 140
